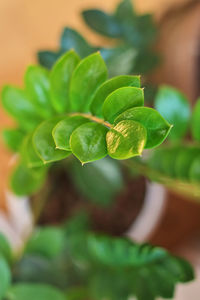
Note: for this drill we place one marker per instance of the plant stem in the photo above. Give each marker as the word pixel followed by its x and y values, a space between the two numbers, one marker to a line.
pixel 92 118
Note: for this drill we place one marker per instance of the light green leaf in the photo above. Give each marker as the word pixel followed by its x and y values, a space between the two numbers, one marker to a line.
pixel 34 291
pixel 37 85
pixel 60 77
pixel 5 248
pixel 90 73
pixel 29 154
pixel 194 172
pixel 126 139
pixel 24 181
pixel 63 130
pixel 175 108
pixel 20 107
pixel 5 277
pixel 13 138
pixel 88 142
pixel 108 87
pixel 44 143
pixel 184 161
pixel 47 242
pixel 121 100
pixel 157 128
pixel 195 122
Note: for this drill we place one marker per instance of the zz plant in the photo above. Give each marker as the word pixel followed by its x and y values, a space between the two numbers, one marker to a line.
pixel 74 110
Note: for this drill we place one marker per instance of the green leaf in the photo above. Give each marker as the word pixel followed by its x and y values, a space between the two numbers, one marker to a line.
pixel 5 277
pixel 13 138
pixel 60 77
pixel 126 139
pixel 71 39
pixel 47 242
pixel 170 102
pixel 194 172
pixel 44 143
pixel 48 58
pixel 124 11
pixel 145 61
pixel 90 73
pixel 102 23
pixel 184 161
pixel 33 291
pixel 195 124
pixel 110 86
pixel 19 106
pixel 5 248
pixel 24 181
pixel 29 154
pixel 88 142
pixel 99 181
pixel 157 128
pixel 38 89
pixel 120 100
pixel 63 130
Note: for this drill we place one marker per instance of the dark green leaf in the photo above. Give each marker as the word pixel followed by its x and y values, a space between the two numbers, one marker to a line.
pixel 20 107
pixel 38 89
pixel 126 139
pixel 60 77
pixel 44 143
pixel 35 291
pixel 5 248
pixel 195 122
pixel 120 100
pixel 90 73
pixel 194 172
pixel 174 107
pixel 29 154
pixel 125 11
pixel 99 181
pixel 88 142
pixel 5 277
pixel 47 242
pixel 13 138
pixel 63 130
pixel 157 128
pixel 184 161
pixel 48 58
pixel 102 23
pixel 145 61
pixel 108 87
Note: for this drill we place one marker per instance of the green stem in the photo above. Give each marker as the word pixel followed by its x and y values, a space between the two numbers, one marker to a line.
pixel 92 118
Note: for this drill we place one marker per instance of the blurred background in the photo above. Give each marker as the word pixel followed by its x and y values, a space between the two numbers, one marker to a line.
pixel 28 26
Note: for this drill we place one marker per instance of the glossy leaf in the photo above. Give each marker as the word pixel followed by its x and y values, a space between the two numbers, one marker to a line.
pixel 126 139
pixel 60 77
pixel 44 143
pixel 90 73
pixel 20 107
pixel 13 138
pixel 174 107
pixel 121 100
pixel 33 291
pixel 110 86
pixel 24 181
pixel 63 130
pixel 102 23
pixel 38 89
pixel 47 242
pixel 88 142
pixel 99 181
pixel 5 277
pixel 5 248
pixel 195 122
pixel 157 128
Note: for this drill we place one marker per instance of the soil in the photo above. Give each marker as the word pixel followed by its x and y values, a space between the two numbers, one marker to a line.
pixel 64 201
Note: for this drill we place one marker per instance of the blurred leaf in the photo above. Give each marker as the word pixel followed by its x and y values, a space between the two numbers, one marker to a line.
pixel 145 61
pixel 47 242
pixel 87 77
pixel 126 139
pixel 60 77
pixel 88 142
pixel 29 154
pixel 195 122
pixel 102 23
pixel 44 143
pixel 5 248
pixel 99 181
pixel 125 11
pixel 110 86
pixel 48 58
pixel 13 138
pixel 38 89
pixel 184 161
pixel 157 128
pixel 5 277
pixel 170 102
pixel 33 291
pixel 194 173
pixel 63 130
pixel 121 100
